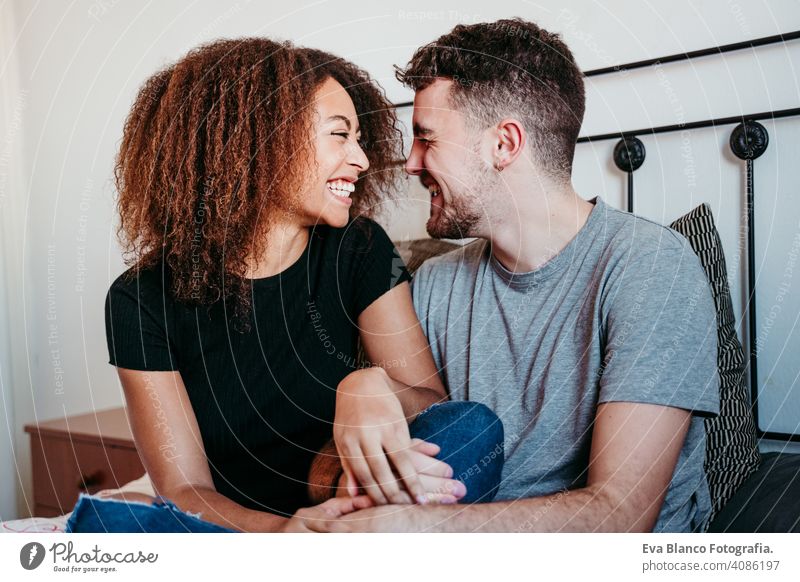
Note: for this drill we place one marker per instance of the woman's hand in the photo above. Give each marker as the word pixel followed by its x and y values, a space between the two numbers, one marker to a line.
pixel 435 476
pixel 376 450
pixel 371 431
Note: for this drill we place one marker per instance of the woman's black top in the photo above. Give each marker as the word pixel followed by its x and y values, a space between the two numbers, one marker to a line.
pixel 264 398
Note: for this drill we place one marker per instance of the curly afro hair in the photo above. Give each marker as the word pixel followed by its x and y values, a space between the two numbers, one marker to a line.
pixel 217 143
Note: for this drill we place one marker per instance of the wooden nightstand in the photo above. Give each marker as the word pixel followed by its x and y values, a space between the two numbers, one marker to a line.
pixel 80 454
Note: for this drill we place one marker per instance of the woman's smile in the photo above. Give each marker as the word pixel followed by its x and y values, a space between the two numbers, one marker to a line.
pixel 341 190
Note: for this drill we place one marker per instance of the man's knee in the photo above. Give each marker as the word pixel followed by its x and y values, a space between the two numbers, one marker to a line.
pixel 469 417
pixel 470 436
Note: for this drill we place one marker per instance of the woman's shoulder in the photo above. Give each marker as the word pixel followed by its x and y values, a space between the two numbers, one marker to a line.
pixel 366 262
pixel 365 224
pixel 361 235
pixel 142 284
pixel 356 226
pixel 151 276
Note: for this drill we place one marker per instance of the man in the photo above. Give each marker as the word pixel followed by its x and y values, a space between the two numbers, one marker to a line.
pixel 590 332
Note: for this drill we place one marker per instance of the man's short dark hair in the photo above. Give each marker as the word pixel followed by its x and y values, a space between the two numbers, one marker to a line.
pixel 509 68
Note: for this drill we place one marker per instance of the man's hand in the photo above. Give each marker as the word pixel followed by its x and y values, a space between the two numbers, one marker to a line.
pixel 386 518
pixel 311 519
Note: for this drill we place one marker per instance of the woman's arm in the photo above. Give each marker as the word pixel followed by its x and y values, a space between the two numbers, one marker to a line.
pixel 375 405
pixel 394 341
pixel 169 441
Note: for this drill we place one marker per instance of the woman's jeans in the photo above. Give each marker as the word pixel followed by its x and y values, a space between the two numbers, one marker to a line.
pixel 469 435
pixel 96 515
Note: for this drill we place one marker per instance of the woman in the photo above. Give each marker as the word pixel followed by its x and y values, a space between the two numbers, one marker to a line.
pixel 238 173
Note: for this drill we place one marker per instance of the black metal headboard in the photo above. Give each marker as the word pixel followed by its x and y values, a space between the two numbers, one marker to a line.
pixel 748 141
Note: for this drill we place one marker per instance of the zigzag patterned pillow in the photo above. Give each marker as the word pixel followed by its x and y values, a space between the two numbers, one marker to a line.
pixel 731 443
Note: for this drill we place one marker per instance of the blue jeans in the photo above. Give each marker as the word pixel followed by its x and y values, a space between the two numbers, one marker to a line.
pixel 469 435
pixel 93 515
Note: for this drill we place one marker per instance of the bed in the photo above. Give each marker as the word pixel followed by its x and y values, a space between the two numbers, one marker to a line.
pixel 140 489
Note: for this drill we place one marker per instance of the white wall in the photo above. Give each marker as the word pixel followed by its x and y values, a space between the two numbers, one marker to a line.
pixel 69 72
pixel 14 101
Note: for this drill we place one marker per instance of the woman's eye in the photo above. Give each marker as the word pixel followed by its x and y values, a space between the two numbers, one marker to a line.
pixel 345 135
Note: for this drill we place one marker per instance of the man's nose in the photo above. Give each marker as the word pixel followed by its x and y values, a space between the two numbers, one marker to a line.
pixel 414 165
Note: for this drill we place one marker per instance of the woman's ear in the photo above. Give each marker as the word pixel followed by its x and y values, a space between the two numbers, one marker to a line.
pixel 511 140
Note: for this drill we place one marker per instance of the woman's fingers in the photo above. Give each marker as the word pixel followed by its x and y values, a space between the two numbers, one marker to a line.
pixel 424 447
pixel 434 479
pixel 401 474
pixel 363 475
pixel 348 480
pixel 382 472
pixel 407 472
pixel 351 483
pixel 424 464
pixel 440 486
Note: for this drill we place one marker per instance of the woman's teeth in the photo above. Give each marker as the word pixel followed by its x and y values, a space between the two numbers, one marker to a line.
pixel 341 188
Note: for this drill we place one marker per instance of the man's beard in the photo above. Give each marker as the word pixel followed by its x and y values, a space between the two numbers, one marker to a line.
pixel 462 214
pixel 455 221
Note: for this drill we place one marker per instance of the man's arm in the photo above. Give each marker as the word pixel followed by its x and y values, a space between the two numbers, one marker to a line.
pixel 635 448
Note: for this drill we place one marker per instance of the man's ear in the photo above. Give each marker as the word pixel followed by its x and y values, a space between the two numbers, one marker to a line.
pixel 511 140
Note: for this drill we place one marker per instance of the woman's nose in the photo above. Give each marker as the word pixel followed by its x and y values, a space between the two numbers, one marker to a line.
pixel 358 158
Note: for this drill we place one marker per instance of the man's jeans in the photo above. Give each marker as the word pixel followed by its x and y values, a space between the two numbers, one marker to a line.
pixel 469 435
pixel 471 440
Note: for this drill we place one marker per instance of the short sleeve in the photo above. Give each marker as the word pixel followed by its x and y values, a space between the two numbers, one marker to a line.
pixel 661 334
pixel 422 297
pixel 137 324
pixel 380 267
pixel 420 291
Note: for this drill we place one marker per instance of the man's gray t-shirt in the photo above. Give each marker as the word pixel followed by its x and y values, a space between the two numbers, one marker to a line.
pixel 623 313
